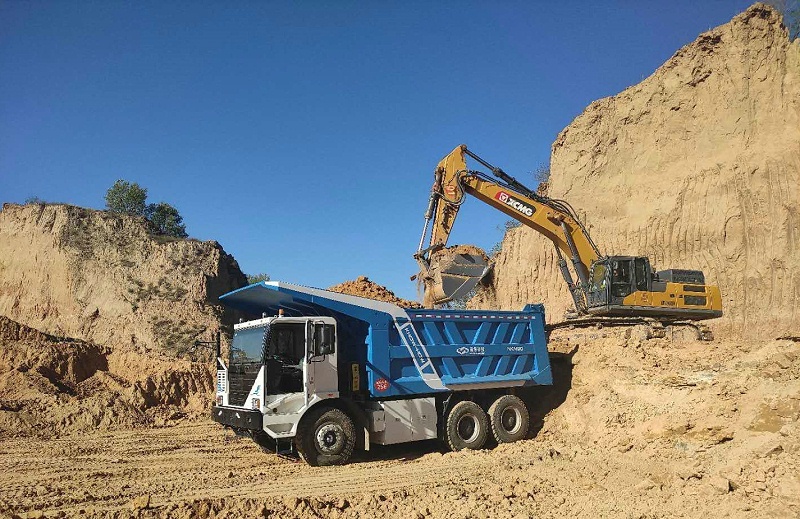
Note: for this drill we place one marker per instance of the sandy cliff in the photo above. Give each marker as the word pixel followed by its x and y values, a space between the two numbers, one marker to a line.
pixel 104 278
pixel 96 315
pixel 698 166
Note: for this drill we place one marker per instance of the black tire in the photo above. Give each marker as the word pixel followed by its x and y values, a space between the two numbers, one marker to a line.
pixel 467 426
pixel 510 419
pixel 325 436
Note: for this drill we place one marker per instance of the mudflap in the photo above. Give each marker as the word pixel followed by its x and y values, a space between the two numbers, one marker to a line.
pixel 238 418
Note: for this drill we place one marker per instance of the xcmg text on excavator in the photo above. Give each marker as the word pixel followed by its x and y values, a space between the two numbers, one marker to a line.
pixel 609 286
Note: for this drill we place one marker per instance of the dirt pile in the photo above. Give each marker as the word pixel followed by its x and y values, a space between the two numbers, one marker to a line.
pixel 98 318
pixel 363 287
pixel 697 166
pixel 632 428
pixel 103 278
pixel 50 386
pixel 463 249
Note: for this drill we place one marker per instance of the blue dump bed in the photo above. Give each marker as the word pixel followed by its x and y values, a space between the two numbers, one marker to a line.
pixel 404 352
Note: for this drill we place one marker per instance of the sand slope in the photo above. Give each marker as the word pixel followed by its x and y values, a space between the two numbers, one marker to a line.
pixel 697 166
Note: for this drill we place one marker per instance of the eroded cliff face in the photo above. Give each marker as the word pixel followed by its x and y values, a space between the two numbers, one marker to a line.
pixel 103 278
pixel 698 167
pixel 96 315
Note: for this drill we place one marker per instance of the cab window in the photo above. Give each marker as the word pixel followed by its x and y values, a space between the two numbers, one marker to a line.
pixel 621 278
pixel 598 281
pixel 247 345
pixel 621 272
pixel 640 268
pixel 288 342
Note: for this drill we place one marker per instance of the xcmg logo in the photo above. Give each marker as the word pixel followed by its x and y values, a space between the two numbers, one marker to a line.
pixel 513 202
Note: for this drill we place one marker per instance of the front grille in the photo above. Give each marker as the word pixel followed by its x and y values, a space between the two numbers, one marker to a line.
pixel 241 378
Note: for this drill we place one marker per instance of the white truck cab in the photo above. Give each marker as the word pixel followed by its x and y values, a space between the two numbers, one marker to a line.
pixel 279 367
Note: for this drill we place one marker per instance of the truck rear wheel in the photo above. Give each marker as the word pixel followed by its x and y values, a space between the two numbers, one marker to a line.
pixel 325 436
pixel 510 419
pixel 467 426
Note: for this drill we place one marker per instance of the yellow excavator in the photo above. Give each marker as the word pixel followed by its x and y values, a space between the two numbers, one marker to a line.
pixel 607 286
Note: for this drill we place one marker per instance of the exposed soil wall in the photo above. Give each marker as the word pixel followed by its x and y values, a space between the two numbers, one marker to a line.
pixel 363 287
pixel 103 278
pixel 697 166
pixel 97 320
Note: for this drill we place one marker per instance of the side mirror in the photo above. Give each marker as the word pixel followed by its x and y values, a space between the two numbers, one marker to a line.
pixel 324 340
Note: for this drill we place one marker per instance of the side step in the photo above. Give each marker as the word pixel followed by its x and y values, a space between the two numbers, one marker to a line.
pixel 284 448
pixel 281 447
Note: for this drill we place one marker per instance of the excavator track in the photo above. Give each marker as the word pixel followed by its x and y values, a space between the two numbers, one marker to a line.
pixel 657 326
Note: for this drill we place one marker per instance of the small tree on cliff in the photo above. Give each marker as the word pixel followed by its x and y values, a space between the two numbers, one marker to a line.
pixel 541 173
pixel 166 220
pixel 127 198
pixel 257 278
pixel 130 198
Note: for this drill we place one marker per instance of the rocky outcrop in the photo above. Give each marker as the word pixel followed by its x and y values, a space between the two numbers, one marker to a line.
pixel 698 166
pixel 104 278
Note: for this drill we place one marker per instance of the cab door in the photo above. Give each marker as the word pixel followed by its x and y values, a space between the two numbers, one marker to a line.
pixel 622 284
pixel 321 359
pixel 641 279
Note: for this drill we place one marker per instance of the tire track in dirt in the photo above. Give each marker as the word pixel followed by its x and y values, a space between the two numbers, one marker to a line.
pixel 105 471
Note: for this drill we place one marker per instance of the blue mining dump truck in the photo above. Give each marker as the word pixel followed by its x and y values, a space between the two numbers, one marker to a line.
pixel 330 372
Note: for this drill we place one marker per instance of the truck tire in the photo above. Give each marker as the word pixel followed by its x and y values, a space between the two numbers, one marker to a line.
pixel 325 436
pixel 467 426
pixel 510 419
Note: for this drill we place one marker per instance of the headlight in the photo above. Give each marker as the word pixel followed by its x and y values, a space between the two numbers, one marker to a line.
pixel 219 399
pixel 256 403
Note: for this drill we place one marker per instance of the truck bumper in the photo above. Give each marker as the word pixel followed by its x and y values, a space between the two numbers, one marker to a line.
pixel 237 417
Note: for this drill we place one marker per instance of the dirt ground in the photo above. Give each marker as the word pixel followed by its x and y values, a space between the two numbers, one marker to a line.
pixel 632 428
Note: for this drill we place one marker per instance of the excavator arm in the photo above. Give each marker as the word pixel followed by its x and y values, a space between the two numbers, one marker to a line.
pixel 447 277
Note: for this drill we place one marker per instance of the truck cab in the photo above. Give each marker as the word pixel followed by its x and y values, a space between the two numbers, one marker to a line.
pixel 279 366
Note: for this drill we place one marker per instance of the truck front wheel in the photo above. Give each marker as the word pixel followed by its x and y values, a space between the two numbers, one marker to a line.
pixel 510 419
pixel 467 426
pixel 325 436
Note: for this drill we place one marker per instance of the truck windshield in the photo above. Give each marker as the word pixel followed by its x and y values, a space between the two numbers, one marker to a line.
pixel 247 345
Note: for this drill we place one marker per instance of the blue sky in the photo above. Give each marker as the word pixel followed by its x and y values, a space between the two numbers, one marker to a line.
pixel 302 135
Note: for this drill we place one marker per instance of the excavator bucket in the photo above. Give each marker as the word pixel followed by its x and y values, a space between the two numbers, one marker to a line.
pixel 451 275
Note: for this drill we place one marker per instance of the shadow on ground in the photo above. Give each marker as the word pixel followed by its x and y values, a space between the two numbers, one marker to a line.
pixel 543 399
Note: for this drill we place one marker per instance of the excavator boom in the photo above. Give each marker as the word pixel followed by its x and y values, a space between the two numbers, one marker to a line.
pixel 450 276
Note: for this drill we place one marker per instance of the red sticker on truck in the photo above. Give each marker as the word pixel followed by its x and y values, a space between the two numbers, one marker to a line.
pixel 381 384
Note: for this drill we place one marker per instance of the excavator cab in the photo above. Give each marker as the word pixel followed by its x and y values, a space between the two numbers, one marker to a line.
pixel 628 286
pixel 614 278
